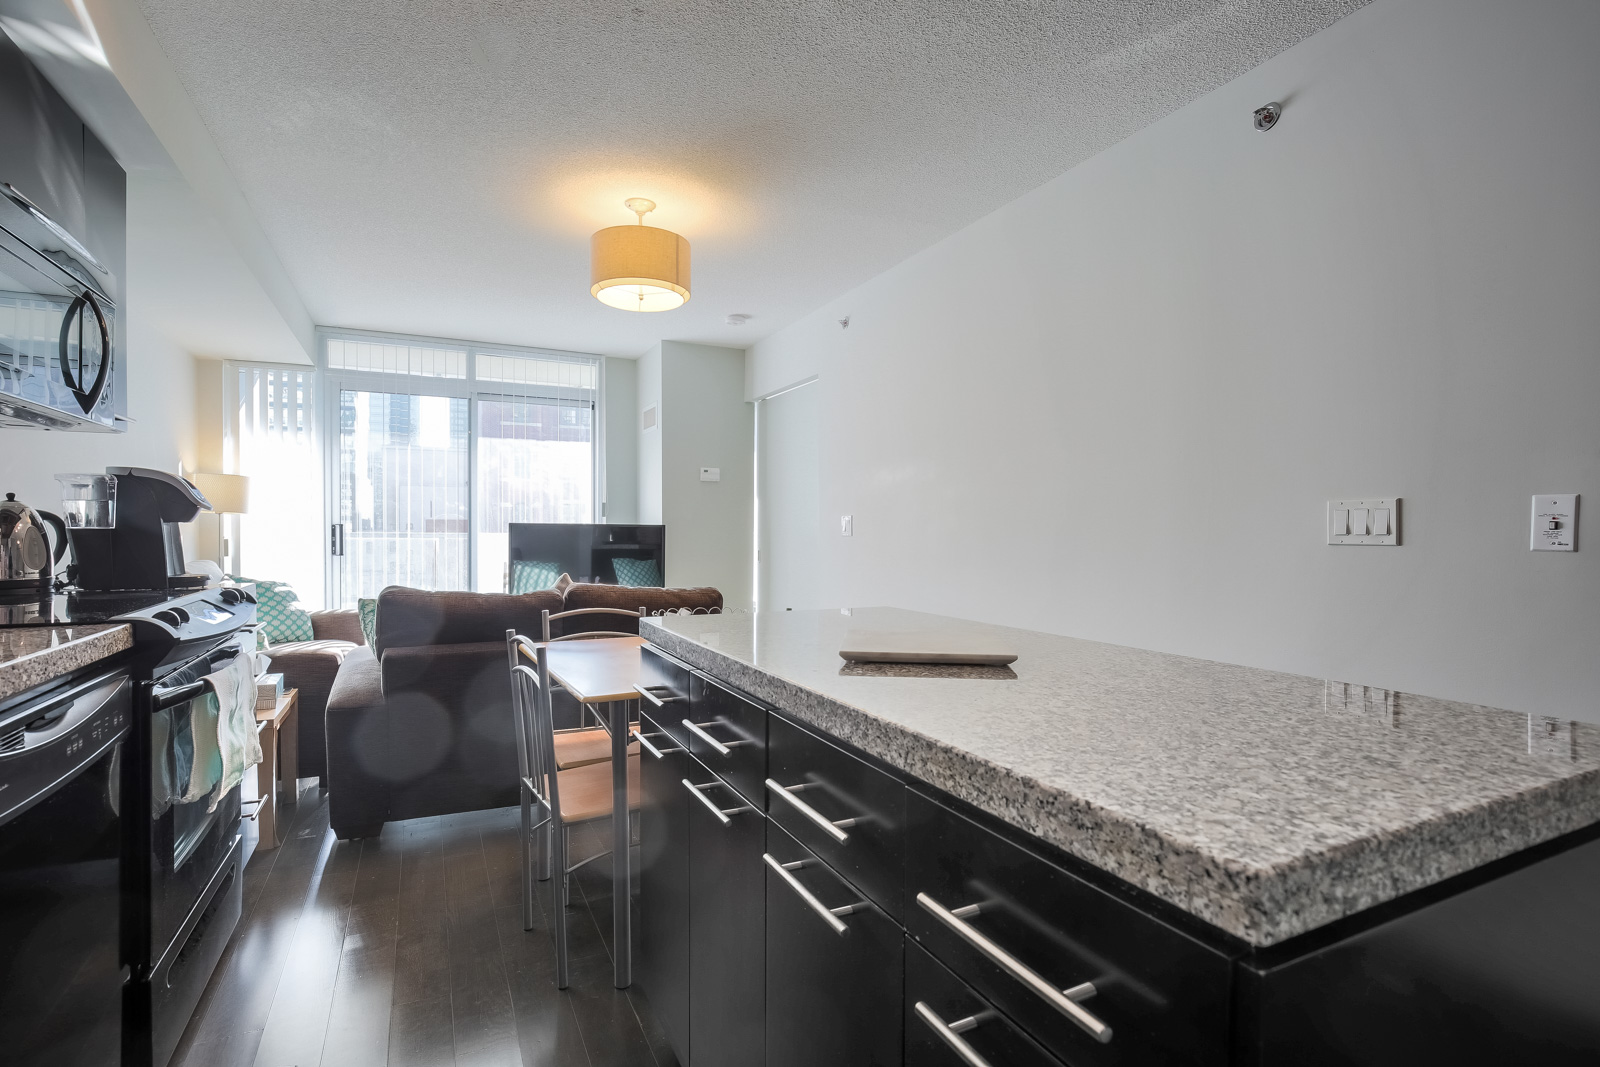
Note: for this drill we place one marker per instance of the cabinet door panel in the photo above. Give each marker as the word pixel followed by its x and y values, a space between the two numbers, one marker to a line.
pixel 739 726
pixel 831 999
pixel 661 963
pixel 668 681
pixel 840 786
pixel 727 922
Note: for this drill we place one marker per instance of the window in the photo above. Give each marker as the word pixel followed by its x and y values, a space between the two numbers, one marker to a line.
pixel 270 437
pixel 441 446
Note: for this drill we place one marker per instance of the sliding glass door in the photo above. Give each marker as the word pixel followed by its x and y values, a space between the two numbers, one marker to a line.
pixel 535 464
pixel 439 448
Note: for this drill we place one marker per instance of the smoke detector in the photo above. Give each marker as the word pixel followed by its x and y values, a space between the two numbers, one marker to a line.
pixel 738 319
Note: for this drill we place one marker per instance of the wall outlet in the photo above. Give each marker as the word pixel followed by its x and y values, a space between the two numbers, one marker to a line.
pixel 1555 523
pixel 844 525
pixel 711 474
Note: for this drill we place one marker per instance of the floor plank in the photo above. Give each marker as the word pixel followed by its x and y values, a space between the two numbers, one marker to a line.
pixel 407 950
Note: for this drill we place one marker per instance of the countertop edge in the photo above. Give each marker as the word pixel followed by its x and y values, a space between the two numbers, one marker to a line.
pixel 43 666
pixel 1261 906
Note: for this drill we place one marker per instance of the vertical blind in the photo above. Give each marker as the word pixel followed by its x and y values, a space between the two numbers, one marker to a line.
pixel 270 437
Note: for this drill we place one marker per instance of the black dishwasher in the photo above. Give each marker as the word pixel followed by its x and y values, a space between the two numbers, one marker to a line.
pixel 60 842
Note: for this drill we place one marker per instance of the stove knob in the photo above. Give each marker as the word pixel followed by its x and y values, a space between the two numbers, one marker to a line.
pixel 183 616
pixel 169 617
pixel 231 596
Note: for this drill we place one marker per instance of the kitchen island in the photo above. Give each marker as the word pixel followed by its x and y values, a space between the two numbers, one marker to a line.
pixel 1235 859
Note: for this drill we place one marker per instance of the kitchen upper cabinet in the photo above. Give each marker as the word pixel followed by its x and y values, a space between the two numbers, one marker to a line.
pixel 833 966
pixel 43 139
pixel 727 923
pixel 661 962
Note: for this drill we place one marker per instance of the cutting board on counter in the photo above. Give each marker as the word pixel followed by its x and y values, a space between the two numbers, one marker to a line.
pixel 923 646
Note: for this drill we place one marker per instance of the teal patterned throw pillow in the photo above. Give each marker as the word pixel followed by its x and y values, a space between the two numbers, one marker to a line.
pixel 279 614
pixel 530 576
pixel 367 608
pixel 637 572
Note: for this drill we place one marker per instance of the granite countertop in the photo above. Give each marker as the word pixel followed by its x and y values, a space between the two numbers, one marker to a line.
pixel 1266 804
pixel 33 655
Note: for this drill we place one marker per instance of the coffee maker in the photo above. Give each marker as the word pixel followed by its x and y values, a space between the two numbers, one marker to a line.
pixel 144 549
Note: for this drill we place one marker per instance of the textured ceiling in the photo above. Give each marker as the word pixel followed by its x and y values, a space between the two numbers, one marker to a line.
pixel 436 166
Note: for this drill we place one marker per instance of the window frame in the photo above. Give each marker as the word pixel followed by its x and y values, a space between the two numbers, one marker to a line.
pixel 335 380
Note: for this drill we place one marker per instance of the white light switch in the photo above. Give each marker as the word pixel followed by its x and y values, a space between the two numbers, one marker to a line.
pixel 844 525
pixel 1555 523
pixel 711 474
pixel 1374 521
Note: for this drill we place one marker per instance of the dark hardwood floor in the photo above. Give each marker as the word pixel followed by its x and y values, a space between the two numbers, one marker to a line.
pixel 407 950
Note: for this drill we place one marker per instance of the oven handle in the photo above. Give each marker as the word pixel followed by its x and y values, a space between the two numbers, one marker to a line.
pixel 162 699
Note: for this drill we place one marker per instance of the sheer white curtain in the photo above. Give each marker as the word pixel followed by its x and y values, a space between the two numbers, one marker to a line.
pixel 271 438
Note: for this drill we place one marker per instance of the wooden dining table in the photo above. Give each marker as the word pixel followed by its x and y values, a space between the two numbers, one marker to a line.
pixel 601 673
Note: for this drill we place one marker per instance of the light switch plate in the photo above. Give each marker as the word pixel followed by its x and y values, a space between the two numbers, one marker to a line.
pixel 711 474
pixel 845 525
pixel 1373 520
pixel 1555 523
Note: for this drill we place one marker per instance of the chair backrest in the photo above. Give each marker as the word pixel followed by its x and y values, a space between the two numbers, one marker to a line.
pixel 533 716
pixel 547 618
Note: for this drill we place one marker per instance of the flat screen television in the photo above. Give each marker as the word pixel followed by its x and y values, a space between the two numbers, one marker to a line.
pixel 586 550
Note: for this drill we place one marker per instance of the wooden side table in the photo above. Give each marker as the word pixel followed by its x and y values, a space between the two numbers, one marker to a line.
pixel 279 731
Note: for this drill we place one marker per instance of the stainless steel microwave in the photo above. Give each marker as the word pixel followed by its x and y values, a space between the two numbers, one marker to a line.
pixel 60 356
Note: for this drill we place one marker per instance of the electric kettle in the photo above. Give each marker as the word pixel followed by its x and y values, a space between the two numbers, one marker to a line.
pixel 26 564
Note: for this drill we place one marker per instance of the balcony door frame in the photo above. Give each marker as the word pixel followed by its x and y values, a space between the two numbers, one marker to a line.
pixel 334 381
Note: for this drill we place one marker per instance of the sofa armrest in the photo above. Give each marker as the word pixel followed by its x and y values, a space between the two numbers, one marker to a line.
pixel 359 779
pixel 344 625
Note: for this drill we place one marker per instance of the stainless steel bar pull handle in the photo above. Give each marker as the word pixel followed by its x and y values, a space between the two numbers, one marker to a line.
pixel 716 746
pixel 656 701
pixel 825 913
pixel 1064 1001
pixel 648 747
pixel 950 1034
pixel 721 813
pixel 827 826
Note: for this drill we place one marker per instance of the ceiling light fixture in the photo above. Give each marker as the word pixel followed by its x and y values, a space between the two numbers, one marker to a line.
pixel 639 268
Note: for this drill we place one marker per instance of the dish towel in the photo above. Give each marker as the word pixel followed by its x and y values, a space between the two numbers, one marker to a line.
pixel 196 762
pixel 235 730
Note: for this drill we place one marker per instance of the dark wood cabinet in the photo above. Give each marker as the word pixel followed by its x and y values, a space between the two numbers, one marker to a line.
pixel 43 138
pixel 666 682
pixel 1502 972
pixel 727 923
pixel 943 1013
pixel 995 912
pixel 662 955
pixel 833 976
pixel 730 736
pixel 849 812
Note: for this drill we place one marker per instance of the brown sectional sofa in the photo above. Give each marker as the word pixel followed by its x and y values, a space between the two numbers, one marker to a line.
pixel 310 666
pixel 421 724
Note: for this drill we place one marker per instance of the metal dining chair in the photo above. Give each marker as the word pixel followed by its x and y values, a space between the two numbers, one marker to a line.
pixel 553 800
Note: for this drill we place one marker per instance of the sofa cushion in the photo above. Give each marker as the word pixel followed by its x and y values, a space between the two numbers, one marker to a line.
pixel 639 573
pixel 531 575
pixel 339 625
pixel 654 601
pixel 367 613
pixel 408 618
pixel 279 614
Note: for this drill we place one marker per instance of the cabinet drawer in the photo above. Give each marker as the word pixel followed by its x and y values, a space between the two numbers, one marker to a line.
pixel 666 698
pixel 729 736
pixel 1020 930
pixel 842 808
pixel 942 1010
pixel 834 970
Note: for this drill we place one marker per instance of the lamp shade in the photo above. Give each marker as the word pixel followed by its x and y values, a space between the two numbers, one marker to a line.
pixel 639 268
pixel 228 493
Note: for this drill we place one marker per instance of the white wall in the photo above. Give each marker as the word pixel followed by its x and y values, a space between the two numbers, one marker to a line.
pixel 788 482
pixel 161 403
pixel 648 386
pixel 1116 407
pixel 621 420
pixel 706 422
